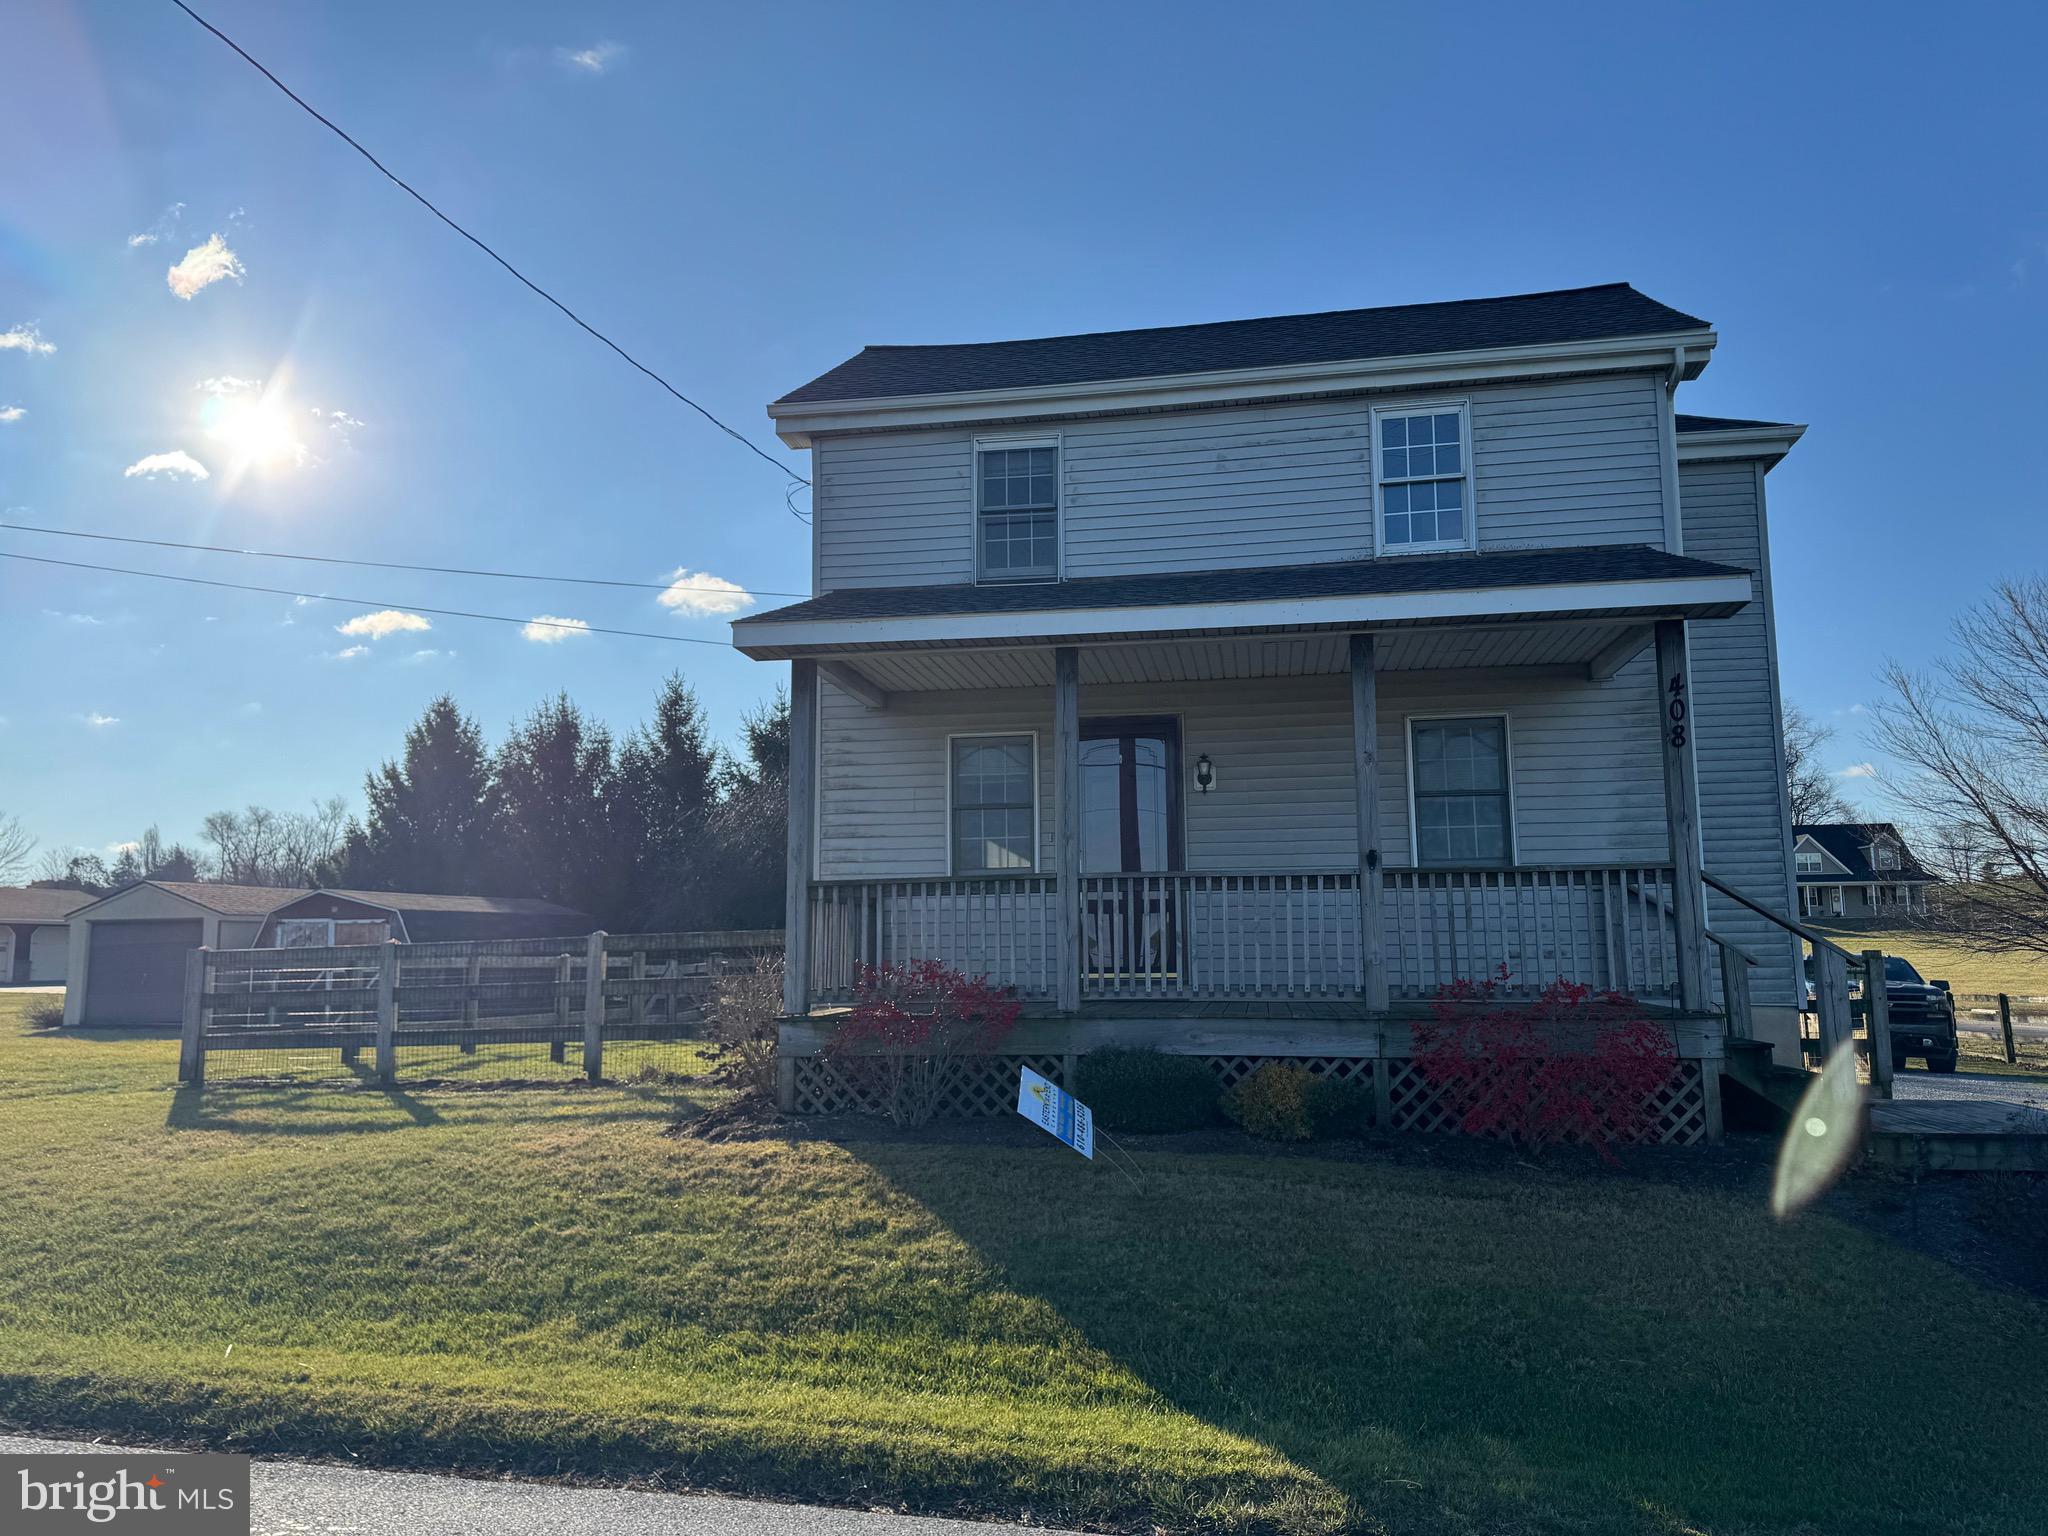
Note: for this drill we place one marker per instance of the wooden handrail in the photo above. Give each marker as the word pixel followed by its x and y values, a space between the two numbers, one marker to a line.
pixel 1818 940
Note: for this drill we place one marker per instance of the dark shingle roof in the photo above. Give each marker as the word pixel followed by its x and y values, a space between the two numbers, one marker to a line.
pixel 1844 842
pixel 1399 330
pixel 228 900
pixel 1722 423
pixel 40 904
pixel 418 901
pixel 1342 578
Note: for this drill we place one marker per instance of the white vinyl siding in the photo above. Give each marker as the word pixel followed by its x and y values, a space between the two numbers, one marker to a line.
pixel 1556 463
pixel 1588 785
pixel 1743 830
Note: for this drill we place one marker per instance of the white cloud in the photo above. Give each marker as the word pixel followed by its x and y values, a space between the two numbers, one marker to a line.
pixel 550 629
pixel 71 618
pixel 165 226
pixel 385 621
pixel 26 338
pixel 99 721
pixel 11 413
pixel 422 657
pixel 204 265
pixel 1858 771
pixel 228 384
pixel 350 653
pixel 700 592
pixel 594 60
pixel 176 462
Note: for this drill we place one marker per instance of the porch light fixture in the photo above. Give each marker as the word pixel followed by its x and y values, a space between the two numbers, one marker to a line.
pixel 1205 774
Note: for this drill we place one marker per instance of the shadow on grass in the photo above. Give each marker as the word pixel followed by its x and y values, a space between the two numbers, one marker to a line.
pixel 339 1108
pixel 1449 1349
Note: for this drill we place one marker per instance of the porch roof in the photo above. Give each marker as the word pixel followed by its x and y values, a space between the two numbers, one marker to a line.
pixel 1623 582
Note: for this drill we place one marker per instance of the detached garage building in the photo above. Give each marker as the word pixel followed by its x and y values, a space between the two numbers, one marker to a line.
pixel 35 937
pixel 128 950
pixel 127 961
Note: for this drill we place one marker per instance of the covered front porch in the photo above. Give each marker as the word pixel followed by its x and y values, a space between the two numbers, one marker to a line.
pixel 1238 803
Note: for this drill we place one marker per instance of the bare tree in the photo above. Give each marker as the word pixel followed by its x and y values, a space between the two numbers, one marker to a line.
pixel 1812 790
pixel 259 846
pixel 16 844
pixel 1974 734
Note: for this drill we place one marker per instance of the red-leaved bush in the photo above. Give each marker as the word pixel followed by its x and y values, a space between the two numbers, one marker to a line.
pixel 913 1030
pixel 1574 1065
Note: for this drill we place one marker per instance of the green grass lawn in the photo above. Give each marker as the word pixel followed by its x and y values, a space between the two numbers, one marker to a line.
pixel 542 1281
pixel 2018 973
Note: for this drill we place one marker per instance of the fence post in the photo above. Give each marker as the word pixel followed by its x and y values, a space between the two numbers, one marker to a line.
pixel 2012 1050
pixel 192 1035
pixel 1877 1020
pixel 472 983
pixel 387 1013
pixel 563 963
pixel 593 1007
pixel 636 1010
pixel 1831 998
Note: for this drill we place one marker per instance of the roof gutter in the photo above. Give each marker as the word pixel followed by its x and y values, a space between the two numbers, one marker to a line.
pixel 1769 443
pixel 1682 352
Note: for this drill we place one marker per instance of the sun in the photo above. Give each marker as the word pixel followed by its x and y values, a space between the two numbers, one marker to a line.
pixel 256 430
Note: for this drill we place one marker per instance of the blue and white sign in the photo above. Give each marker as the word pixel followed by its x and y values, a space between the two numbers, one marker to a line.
pixel 1056 1111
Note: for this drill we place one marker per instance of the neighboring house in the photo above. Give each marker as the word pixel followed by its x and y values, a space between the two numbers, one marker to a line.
pixel 1286 668
pixel 35 932
pixel 1857 869
pixel 329 916
pixel 128 950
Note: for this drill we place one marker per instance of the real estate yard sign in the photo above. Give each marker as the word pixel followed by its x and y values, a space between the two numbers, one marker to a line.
pixel 1056 1111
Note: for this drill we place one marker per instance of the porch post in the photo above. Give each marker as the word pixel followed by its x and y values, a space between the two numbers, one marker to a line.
pixel 1365 763
pixel 803 787
pixel 1682 812
pixel 1066 810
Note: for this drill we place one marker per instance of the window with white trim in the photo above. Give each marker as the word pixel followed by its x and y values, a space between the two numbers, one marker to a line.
pixel 1421 479
pixel 1459 775
pixel 1017 503
pixel 1887 856
pixel 1808 861
pixel 995 803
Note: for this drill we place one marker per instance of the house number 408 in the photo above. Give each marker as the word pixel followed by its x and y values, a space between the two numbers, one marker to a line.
pixel 1674 710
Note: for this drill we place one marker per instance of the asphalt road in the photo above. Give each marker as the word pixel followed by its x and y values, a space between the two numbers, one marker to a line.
pixel 297 1498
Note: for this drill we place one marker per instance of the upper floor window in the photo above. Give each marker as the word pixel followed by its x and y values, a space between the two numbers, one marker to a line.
pixel 1808 861
pixel 1459 779
pixel 1017 500
pixel 1421 480
pixel 1887 856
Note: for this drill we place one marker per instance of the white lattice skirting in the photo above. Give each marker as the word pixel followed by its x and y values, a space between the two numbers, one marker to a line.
pixel 987 1085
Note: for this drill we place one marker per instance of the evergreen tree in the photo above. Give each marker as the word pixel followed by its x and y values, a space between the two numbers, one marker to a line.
pixel 557 788
pixel 432 819
pixel 667 792
pixel 751 827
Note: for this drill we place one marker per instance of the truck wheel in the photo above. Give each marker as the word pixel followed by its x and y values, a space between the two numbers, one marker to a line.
pixel 1946 1062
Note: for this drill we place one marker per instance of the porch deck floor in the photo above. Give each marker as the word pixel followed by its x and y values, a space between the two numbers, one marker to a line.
pixel 1299 1010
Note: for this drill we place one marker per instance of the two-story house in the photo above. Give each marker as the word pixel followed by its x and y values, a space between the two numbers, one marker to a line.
pixel 1232 687
pixel 1857 869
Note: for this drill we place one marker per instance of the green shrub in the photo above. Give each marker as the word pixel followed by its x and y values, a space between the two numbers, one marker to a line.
pixel 1273 1102
pixel 1144 1090
pixel 1340 1108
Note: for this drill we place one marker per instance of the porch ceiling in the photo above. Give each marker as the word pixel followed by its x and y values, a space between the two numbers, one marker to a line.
pixel 1581 646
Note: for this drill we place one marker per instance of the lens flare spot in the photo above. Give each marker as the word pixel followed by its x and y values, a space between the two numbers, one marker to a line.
pixel 1815 1126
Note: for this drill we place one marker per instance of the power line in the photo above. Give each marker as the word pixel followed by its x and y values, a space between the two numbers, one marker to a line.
pixel 363 602
pixel 391 565
pixel 398 181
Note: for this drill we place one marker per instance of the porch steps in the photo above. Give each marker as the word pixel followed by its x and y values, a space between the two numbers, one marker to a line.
pixel 1773 1091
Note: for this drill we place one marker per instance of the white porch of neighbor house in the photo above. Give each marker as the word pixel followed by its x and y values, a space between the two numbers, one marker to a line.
pixel 1234 817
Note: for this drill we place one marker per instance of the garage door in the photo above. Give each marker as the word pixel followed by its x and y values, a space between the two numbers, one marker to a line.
pixel 136 972
pixel 49 954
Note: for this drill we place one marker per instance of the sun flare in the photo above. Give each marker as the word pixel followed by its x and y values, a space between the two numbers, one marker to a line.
pixel 256 430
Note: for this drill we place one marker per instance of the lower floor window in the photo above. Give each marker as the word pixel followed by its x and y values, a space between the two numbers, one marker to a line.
pixel 1460 779
pixel 995 803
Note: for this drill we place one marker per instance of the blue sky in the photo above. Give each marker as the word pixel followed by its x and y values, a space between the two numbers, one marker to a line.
pixel 1857 199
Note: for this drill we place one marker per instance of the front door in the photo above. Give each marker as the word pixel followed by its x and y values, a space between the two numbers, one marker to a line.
pixel 1130 825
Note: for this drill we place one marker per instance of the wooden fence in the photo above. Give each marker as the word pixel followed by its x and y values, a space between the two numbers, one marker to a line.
pixel 582 991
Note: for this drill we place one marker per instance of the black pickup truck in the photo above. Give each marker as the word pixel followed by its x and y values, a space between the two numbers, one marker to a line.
pixel 1923 1014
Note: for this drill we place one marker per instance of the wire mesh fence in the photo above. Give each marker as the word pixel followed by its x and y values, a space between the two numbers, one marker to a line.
pixel 617 1006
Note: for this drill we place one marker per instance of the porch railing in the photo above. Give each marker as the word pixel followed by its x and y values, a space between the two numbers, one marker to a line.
pixel 1263 934
pixel 1605 926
